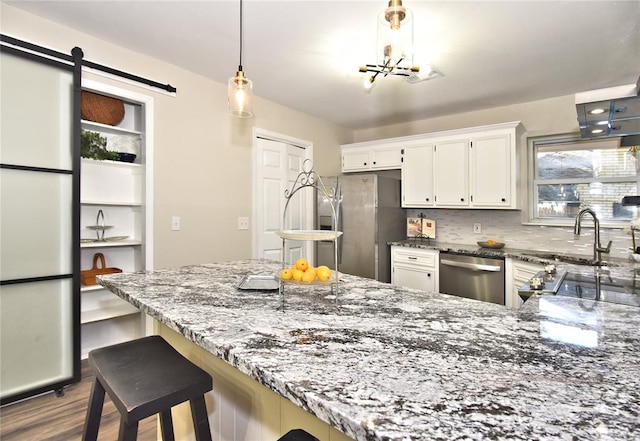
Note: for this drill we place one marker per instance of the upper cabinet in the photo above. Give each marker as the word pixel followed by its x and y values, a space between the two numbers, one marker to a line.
pixel 493 171
pixel 368 156
pixel 467 168
pixel 417 171
pixel 451 172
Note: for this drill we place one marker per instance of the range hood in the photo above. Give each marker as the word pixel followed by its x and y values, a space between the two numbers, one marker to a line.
pixel 614 111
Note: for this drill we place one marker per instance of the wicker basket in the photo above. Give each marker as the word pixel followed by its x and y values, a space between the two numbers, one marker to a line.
pixel 101 108
pixel 88 277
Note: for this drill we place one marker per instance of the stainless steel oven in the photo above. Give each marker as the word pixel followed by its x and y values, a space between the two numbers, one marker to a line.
pixel 473 277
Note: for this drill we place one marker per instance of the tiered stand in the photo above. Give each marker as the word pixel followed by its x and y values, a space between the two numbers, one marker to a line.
pixel 308 179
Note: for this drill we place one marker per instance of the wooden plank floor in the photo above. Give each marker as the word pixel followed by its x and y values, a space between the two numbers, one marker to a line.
pixel 49 418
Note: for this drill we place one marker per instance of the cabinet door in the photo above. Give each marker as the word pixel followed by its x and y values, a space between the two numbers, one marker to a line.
pixel 414 277
pixel 417 176
pixel 521 272
pixel 387 158
pixel 491 173
pixel 451 171
pixel 356 160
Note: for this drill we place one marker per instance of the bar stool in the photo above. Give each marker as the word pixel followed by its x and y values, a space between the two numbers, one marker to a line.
pixel 297 435
pixel 144 377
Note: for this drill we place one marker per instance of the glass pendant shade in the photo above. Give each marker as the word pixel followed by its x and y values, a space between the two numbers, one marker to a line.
pixel 239 94
pixel 395 36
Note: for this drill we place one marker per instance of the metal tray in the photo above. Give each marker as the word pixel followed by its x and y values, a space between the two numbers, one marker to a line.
pixel 259 283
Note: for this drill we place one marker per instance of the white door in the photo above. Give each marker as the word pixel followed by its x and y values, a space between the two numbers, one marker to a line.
pixel 277 167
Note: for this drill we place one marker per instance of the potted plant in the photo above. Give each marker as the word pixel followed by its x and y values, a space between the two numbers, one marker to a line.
pixel 94 146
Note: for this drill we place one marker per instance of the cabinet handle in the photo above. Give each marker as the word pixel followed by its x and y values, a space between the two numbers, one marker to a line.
pixel 461 199
pixel 365 163
pixel 427 199
pixel 374 163
pixel 504 199
pixel 428 274
pixel 413 258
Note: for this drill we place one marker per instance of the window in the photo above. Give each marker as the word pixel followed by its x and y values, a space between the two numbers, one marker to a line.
pixel 570 174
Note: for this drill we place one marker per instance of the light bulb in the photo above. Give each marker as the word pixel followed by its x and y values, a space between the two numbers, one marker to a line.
pixel 368 83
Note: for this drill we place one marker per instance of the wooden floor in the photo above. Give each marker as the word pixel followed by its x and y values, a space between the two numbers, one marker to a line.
pixel 51 418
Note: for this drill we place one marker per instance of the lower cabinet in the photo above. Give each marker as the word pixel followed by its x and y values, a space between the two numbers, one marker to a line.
pixel 517 273
pixel 414 268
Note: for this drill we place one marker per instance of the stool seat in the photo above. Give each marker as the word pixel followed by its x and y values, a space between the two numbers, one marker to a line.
pixel 144 377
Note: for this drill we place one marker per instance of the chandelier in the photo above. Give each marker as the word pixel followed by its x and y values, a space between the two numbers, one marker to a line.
pixel 394 49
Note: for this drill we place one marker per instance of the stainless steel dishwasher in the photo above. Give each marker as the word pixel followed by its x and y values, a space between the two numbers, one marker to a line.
pixel 473 277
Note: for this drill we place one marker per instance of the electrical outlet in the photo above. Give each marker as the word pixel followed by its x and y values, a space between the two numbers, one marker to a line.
pixel 477 228
pixel 243 223
pixel 175 223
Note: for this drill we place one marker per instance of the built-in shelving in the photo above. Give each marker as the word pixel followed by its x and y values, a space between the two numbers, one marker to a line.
pixel 121 191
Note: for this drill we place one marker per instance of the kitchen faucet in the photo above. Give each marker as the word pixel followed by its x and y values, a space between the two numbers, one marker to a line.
pixel 597 248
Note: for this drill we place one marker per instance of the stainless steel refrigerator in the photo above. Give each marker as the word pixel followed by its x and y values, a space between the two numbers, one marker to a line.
pixel 369 214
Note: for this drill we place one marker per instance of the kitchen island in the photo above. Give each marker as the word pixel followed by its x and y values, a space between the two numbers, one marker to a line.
pixel 380 362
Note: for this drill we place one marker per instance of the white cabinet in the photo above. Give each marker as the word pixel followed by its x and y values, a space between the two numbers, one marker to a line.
pixel 122 192
pixel 517 273
pixel 356 160
pixel 451 173
pixel 468 168
pixel 417 175
pixel 375 157
pixel 414 268
pixel 492 171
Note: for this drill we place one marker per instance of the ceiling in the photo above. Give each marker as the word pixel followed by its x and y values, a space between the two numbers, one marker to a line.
pixel 305 54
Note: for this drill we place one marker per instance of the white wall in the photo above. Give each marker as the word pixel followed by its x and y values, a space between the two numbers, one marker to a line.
pixel 203 156
pixel 544 117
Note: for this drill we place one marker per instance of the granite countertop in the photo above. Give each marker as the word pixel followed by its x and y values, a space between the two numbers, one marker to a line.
pixel 386 363
pixel 534 256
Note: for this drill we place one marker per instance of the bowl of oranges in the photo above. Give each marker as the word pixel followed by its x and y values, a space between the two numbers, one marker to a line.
pixel 303 273
pixel 491 244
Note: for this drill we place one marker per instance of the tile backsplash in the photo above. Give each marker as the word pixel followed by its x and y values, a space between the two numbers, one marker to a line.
pixel 456 226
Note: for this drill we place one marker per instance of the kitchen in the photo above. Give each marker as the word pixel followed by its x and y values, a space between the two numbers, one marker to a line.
pixel 213 219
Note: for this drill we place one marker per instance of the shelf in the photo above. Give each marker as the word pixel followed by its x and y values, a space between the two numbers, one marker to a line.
pixel 111 244
pixel 88 125
pixel 90 288
pixel 107 162
pixel 309 234
pixel 112 203
pixel 98 315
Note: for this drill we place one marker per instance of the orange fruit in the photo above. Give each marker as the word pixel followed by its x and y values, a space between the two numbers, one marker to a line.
pixel 286 274
pixel 308 276
pixel 311 273
pixel 302 264
pixel 323 273
pixel 297 274
pixel 491 241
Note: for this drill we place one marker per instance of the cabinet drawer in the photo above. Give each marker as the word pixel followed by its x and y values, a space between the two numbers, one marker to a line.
pixel 522 272
pixel 425 259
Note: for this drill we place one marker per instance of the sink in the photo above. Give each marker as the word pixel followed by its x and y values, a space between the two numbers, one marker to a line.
pixel 566 258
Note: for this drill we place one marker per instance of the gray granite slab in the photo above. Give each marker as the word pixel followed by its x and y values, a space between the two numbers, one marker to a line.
pixel 386 363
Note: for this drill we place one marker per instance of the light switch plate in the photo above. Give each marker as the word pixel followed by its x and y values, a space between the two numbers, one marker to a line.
pixel 477 228
pixel 175 223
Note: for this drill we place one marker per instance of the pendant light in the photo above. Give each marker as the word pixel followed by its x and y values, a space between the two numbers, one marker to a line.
pixel 240 88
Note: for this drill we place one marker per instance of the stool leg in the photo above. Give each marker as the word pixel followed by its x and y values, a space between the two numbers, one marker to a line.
pixel 166 425
pixel 200 419
pixel 128 432
pixel 94 412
